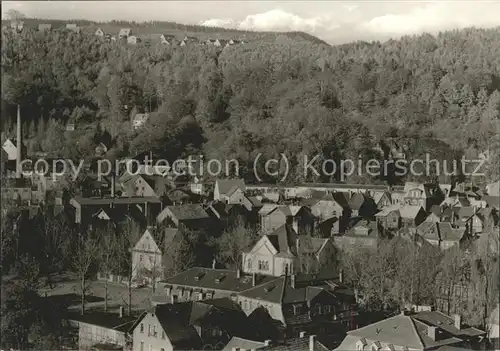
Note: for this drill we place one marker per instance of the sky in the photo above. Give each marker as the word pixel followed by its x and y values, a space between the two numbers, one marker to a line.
pixel 332 21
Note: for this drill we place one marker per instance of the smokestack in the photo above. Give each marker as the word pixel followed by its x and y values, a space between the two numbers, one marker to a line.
pixel 312 341
pixel 19 143
pixel 458 321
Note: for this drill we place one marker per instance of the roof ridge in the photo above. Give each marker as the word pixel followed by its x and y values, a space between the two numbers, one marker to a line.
pixel 261 285
pixel 416 332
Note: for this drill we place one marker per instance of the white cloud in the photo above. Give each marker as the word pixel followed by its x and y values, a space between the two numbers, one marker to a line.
pixel 435 17
pixel 276 20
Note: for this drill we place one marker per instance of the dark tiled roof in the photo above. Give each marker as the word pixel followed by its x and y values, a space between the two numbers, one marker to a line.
pixel 205 278
pixel 447 323
pixel 284 239
pixel 188 212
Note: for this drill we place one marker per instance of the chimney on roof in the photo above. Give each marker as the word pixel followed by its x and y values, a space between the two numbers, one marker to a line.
pixel 292 281
pixel 254 279
pixel 267 342
pixel 213 263
pixel 302 334
pixel 458 321
pixel 432 332
pixel 341 276
pixel 19 143
pixel 238 273
pixel 312 341
pixel 120 311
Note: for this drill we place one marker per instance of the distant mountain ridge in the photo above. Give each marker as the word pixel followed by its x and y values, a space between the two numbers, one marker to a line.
pixel 165 27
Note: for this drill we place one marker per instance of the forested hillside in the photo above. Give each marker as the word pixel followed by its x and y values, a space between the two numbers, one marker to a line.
pixel 436 94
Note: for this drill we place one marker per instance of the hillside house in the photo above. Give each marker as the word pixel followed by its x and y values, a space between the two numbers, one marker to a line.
pixel 389 219
pixel 326 207
pixel 198 284
pixel 284 250
pixel 103 330
pixel 427 330
pixel 223 187
pixel 10 147
pixel 310 303
pixel 364 234
pixel 44 27
pixel 73 28
pixel 189 216
pixel 124 33
pixel 299 218
pixel 195 325
pixel 362 206
pixel 99 32
pixel 412 216
pixel 147 256
pixel 168 39
pixel 442 234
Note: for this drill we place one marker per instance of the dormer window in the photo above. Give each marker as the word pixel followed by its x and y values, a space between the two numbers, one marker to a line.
pixel 361 344
pixel 376 346
pixel 296 309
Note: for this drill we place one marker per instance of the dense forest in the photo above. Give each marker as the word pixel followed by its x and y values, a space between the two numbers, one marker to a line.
pixel 427 94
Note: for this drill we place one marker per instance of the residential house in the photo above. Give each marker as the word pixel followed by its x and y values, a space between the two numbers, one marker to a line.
pixel 425 195
pixel 73 28
pixel 44 27
pixel 103 330
pixel 99 32
pixel 147 254
pixel 364 234
pixel 442 234
pixel 382 199
pixel 167 39
pixel 389 219
pixel 137 186
pixel 225 186
pixel 466 218
pixel 198 284
pixel 285 251
pixel 412 216
pixel 181 217
pixel 201 186
pixel 101 149
pixel 310 303
pixel 398 196
pixel 194 325
pixel 326 207
pixel 362 205
pixel 10 147
pixel 428 330
pixel 124 33
pixel 133 40
pixel 274 216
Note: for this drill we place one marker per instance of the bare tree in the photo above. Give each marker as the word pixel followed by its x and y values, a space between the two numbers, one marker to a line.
pixel 85 255
pixel 108 254
pixel 232 242
pixel 14 14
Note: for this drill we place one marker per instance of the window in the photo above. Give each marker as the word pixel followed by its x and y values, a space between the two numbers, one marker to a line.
pixel 317 308
pixel 263 265
pixel 163 335
pixel 154 330
pixel 142 328
pixel 140 258
pixel 296 309
pixel 142 345
pixel 327 309
pixel 249 264
pixel 149 329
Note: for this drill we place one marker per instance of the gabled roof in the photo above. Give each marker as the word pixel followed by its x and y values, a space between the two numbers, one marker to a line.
pixel 284 239
pixel 410 211
pixel 125 32
pixel 225 185
pixel 466 212
pixel 243 344
pixel 107 320
pixel 188 212
pixel 386 210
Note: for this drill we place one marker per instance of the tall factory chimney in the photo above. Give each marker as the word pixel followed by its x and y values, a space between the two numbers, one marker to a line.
pixel 19 143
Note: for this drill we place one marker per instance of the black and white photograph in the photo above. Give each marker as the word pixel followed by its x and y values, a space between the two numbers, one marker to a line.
pixel 250 175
